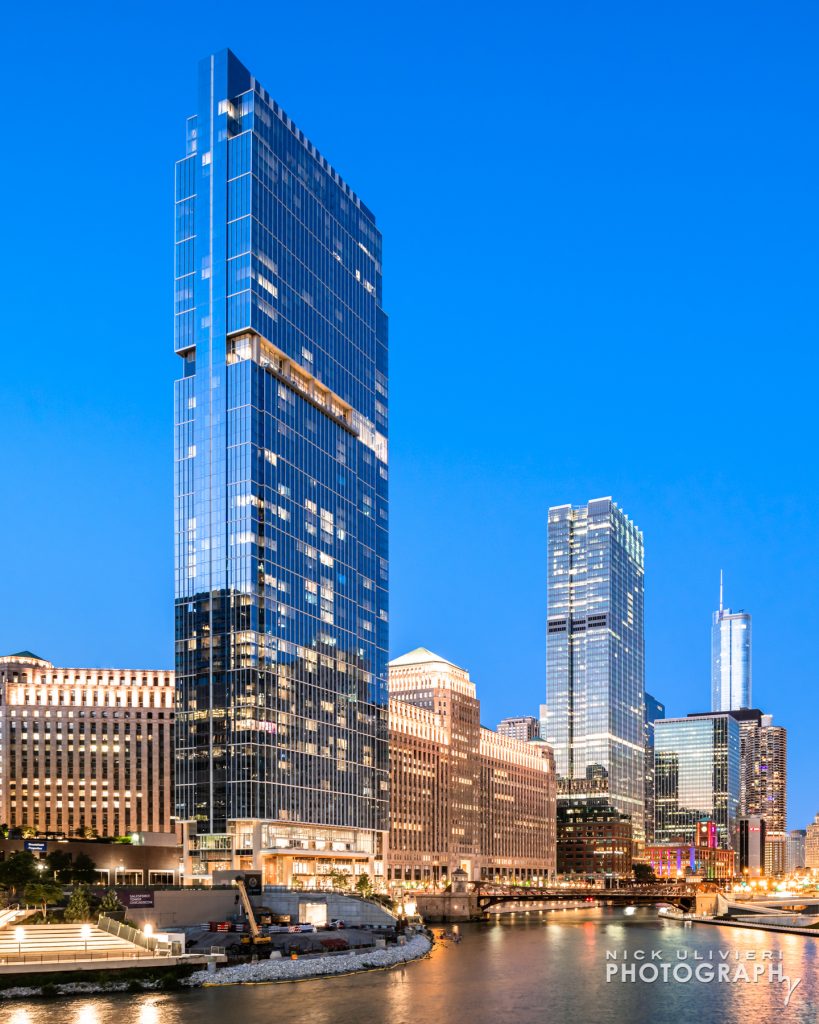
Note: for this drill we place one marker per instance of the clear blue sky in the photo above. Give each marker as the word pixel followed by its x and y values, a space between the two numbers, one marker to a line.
pixel 601 230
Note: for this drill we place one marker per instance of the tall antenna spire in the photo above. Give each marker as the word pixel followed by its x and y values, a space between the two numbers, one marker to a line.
pixel 720 591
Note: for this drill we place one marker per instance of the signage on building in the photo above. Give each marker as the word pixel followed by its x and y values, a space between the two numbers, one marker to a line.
pixel 253 882
pixel 35 845
pixel 130 899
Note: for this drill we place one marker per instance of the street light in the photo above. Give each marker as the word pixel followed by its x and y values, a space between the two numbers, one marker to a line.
pixel 19 937
pixel 148 930
pixel 85 935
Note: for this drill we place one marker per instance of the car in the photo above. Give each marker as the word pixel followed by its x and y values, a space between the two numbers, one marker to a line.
pixel 336 923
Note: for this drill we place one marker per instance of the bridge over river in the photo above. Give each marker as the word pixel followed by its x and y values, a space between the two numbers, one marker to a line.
pixel 476 899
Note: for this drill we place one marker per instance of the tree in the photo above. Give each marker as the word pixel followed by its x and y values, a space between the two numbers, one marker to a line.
pixel 42 893
pixel 88 832
pixel 17 871
pixel 363 885
pixel 78 908
pixel 84 869
pixel 59 865
pixel 340 879
pixel 110 904
pixel 643 873
pixel 28 831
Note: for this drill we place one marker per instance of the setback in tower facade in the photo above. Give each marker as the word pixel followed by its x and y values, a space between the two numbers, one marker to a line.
pixel 281 512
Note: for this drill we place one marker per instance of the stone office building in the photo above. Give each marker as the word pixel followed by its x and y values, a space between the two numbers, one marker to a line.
pixel 85 751
pixel 461 796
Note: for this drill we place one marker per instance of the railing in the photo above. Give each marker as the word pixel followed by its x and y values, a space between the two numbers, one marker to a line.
pixel 133 935
pixel 80 955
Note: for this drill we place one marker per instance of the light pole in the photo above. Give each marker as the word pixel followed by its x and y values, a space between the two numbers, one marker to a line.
pixel 85 935
pixel 19 938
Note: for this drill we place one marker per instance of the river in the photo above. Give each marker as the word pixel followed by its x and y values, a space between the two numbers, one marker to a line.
pixel 522 970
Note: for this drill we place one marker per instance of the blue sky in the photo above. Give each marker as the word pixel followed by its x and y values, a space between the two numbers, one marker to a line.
pixel 601 257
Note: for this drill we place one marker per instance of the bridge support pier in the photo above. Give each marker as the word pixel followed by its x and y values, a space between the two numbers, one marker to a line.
pixel 449 907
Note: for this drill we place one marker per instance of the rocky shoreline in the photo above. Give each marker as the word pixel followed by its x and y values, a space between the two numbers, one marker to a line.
pixel 320 967
pixel 261 972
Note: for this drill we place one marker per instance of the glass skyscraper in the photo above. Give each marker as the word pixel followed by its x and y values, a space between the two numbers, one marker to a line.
pixel 595 655
pixel 654 711
pixel 730 658
pixel 696 777
pixel 281 515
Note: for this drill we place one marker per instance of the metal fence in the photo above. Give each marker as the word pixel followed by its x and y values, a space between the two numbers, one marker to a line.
pixel 135 936
pixel 74 957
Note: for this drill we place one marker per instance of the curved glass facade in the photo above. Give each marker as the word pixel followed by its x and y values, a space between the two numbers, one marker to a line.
pixel 281 520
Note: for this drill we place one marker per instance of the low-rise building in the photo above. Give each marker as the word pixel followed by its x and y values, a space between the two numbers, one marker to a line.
pixel 678 860
pixel 85 751
pixel 149 859
pixel 461 796
pixel 594 839
pixel 703 858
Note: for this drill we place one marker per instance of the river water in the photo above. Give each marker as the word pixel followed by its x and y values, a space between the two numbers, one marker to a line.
pixel 522 970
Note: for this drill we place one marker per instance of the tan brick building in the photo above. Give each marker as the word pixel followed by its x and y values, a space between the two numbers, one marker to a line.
pixel 85 748
pixel 461 795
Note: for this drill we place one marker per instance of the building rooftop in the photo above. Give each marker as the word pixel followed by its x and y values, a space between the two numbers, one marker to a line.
pixel 24 656
pixel 422 656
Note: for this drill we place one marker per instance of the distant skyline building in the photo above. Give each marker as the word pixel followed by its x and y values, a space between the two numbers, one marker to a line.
pixel 812 844
pixel 524 728
pixel 654 711
pixel 796 849
pixel 281 511
pixel 730 658
pixel 85 750
pixel 595 677
pixel 696 777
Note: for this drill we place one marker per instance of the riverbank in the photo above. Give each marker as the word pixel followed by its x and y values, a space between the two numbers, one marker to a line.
pixel 84 983
pixel 266 971
pixel 756 925
pixel 260 972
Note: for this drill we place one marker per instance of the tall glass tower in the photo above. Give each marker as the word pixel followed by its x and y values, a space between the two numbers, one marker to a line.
pixel 730 658
pixel 696 777
pixel 281 516
pixel 595 655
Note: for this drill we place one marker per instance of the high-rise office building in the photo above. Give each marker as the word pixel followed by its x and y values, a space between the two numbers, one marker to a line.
pixel 595 655
pixel 524 727
pixel 751 842
pixel 281 496
pixel 654 711
pixel 696 777
pixel 730 658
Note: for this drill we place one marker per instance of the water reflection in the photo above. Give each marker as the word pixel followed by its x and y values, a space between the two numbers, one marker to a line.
pixel 537 970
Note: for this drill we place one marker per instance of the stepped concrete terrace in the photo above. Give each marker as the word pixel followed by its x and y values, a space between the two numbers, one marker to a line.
pixel 23 946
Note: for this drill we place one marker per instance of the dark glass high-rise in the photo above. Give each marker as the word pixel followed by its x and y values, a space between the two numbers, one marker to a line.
pixel 281 516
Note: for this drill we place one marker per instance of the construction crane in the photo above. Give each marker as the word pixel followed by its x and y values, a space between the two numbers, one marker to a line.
pixel 255 938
